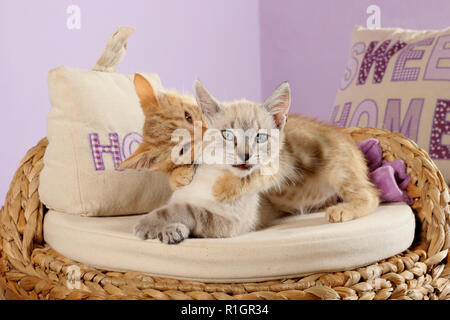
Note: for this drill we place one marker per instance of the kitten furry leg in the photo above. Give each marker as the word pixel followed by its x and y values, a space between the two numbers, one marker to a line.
pixel 359 199
pixel 228 187
pixel 157 224
pixel 174 222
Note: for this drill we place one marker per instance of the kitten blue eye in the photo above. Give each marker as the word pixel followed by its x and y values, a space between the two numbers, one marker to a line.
pixel 227 135
pixel 261 137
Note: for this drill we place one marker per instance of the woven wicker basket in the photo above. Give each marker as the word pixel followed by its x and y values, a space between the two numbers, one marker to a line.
pixel 30 269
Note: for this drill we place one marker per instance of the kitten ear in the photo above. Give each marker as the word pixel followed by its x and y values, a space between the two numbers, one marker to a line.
pixel 278 104
pixel 140 159
pixel 207 103
pixel 145 93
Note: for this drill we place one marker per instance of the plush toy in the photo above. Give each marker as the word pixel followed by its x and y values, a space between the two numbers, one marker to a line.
pixel 389 176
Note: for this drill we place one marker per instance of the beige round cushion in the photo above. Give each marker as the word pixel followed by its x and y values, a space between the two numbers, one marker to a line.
pixel 294 246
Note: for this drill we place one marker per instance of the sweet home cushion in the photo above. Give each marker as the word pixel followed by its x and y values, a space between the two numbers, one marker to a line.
pixel 399 80
pixel 94 124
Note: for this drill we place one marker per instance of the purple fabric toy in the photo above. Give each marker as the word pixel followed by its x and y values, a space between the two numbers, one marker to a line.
pixel 390 177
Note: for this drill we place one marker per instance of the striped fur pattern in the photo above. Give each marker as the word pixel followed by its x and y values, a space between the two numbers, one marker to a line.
pixel 330 168
pixel 330 173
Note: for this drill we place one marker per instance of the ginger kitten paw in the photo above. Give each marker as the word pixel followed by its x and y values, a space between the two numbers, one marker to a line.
pixel 222 194
pixel 173 233
pixel 227 188
pixel 181 177
pixel 340 213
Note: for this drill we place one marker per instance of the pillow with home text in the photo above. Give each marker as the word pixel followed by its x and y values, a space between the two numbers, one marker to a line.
pixel 95 123
pixel 399 80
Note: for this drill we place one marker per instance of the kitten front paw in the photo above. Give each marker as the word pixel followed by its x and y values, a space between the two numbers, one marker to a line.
pixel 173 233
pixel 340 213
pixel 181 177
pixel 144 230
pixel 227 188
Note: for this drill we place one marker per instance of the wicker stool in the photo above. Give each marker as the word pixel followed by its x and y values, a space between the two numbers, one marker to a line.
pixel 30 269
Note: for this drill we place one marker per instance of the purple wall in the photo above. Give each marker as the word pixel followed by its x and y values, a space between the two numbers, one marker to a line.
pixel 236 47
pixel 307 42
pixel 215 41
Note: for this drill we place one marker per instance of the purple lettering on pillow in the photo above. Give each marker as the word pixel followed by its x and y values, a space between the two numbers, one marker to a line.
pixel 367 107
pixel 440 127
pixel 440 52
pixel 342 121
pixel 352 65
pixel 380 57
pixel 128 141
pixel 98 150
pixel 410 125
pixel 401 72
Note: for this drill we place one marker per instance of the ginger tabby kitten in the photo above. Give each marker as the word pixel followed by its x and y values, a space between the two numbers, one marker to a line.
pixel 164 113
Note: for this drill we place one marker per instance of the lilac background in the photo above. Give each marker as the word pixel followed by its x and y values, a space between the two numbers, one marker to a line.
pixel 307 42
pixel 236 47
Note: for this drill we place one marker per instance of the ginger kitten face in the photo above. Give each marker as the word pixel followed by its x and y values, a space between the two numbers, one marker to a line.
pixel 246 133
pixel 164 113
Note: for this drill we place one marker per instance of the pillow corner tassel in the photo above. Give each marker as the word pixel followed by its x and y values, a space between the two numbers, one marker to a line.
pixel 114 51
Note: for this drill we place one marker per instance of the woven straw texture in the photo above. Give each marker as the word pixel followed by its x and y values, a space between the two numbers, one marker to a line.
pixel 30 269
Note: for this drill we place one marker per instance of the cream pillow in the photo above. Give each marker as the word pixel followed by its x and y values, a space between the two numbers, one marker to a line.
pixel 291 247
pixel 399 80
pixel 95 123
